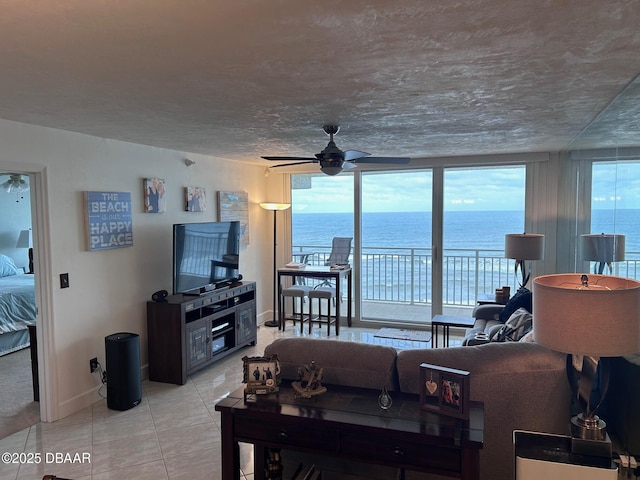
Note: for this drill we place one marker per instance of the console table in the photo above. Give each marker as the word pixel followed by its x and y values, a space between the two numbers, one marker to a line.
pixel 348 422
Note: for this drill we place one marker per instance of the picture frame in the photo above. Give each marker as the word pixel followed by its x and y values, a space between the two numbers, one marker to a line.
pixel 195 199
pixel 234 206
pixel 154 195
pixel 444 390
pixel 261 375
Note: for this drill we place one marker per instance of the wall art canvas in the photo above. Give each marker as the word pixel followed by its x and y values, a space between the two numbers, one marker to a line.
pixel 195 199
pixel 235 206
pixel 154 195
pixel 109 220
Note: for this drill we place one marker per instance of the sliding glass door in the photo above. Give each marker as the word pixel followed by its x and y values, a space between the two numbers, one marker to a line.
pixel 481 205
pixel 395 270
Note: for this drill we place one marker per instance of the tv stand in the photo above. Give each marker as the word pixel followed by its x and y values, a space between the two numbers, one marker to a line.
pixel 187 333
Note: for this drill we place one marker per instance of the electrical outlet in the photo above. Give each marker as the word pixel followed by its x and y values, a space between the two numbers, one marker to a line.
pixel 93 364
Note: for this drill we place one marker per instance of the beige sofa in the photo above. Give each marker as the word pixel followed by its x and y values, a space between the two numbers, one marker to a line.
pixel 523 386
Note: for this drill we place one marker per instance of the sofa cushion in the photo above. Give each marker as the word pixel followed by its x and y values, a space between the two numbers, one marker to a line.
pixel 521 299
pixel 344 363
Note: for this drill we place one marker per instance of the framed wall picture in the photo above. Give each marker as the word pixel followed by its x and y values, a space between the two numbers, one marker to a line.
pixel 444 390
pixel 109 220
pixel 154 195
pixel 235 206
pixel 195 199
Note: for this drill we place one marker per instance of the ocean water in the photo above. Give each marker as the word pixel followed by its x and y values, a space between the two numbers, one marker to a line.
pixel 462 230
pixel 393 272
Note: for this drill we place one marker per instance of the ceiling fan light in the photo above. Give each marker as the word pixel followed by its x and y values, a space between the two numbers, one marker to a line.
pixel 331 170
pixel 15 184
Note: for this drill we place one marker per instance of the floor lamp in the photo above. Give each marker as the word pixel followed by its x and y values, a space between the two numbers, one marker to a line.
pixel 274 207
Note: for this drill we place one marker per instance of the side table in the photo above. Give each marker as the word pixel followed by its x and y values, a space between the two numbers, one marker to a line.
pixel 446 322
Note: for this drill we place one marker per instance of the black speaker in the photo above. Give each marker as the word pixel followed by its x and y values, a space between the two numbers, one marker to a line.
pixel 160 296
pixel 124 380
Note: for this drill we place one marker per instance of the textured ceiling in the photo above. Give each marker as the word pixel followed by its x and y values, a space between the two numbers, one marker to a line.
pixel 242 78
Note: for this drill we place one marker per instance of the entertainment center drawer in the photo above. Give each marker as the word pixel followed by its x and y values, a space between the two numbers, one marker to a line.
pixel 399 448
pixel 290 434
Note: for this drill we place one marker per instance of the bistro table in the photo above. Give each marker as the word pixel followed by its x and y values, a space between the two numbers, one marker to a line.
pixel 322 273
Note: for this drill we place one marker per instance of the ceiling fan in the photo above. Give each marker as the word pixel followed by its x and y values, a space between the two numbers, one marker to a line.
pixel 332 160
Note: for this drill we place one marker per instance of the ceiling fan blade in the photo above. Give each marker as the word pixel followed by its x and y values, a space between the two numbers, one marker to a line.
pixel 350 155
pixel 292 164
pixel 393 160
pixel 349 165
pixel 288 159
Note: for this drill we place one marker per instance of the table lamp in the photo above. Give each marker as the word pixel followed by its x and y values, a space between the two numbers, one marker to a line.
pixel 274 207
pixel 522 247
pixel 591 318
pixel 602 249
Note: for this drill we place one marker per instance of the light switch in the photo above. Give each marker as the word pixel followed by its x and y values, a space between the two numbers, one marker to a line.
pixel 64 280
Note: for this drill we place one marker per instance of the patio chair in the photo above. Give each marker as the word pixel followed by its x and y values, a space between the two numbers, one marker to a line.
pixel 340 251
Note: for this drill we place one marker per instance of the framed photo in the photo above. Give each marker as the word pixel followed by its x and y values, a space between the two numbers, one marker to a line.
pixel 444 390
pixel 195 199
pixel 154 195
pixel 235 206
pixel 261 375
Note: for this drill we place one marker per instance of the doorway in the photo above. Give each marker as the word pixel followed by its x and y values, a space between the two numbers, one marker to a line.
pixel 18 406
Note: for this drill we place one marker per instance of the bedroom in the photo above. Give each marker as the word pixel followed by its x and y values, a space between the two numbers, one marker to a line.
pixel 17 308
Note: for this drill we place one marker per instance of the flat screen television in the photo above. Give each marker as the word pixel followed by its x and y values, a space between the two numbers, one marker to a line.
pixel 205 256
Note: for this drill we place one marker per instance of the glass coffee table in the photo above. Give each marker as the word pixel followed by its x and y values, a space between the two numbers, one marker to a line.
pixel 446 322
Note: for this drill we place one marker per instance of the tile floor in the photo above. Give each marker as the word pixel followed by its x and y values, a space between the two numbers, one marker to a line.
pixel 174 433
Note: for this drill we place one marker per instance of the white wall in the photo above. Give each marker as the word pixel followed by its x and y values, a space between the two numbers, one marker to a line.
pixel 109 289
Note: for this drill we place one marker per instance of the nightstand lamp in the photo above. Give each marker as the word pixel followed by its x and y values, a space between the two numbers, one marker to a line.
pixel 604 249
pixel 523 247
pixel 591 318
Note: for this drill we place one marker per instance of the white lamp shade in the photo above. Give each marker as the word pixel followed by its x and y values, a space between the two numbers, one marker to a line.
pixel 275 206
pixel 524 246
pixel 25 239
pixel 599 320
pixel 603 248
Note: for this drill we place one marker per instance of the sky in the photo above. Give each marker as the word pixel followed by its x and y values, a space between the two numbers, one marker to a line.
pixel 468 189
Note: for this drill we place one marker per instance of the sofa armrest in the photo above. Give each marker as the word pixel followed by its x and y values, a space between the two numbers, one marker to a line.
pixel 487 311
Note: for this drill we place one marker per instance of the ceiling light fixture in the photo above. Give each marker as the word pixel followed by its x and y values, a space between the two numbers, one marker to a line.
pixel 16 184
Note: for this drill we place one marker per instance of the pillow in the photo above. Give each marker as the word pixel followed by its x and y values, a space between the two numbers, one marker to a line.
pixel 528 338
pixel 520 299
pixel 518 325
pixel 8 267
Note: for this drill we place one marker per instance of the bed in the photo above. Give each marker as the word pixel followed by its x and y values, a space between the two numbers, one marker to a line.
pixel 17 306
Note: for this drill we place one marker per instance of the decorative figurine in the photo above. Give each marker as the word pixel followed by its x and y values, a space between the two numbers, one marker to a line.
pixel 384 399
pixel 308 384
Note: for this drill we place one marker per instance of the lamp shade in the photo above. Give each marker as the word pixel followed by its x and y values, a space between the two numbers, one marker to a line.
pixel 275 206
pixel 524 246
pixel 594 315
pixel 25 239
pixel 602 248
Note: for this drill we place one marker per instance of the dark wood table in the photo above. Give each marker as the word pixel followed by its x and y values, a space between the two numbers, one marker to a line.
pixel 446 322
pixel 348 422
pixel 322 273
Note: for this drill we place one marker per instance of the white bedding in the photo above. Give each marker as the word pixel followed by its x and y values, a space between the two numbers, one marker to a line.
pixel 17 303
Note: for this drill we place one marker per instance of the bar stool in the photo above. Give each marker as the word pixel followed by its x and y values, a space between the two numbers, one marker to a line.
pixel 297 293
pixel 322 293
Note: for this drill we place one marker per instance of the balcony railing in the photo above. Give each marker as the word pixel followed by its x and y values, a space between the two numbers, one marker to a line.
pixel 404 274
